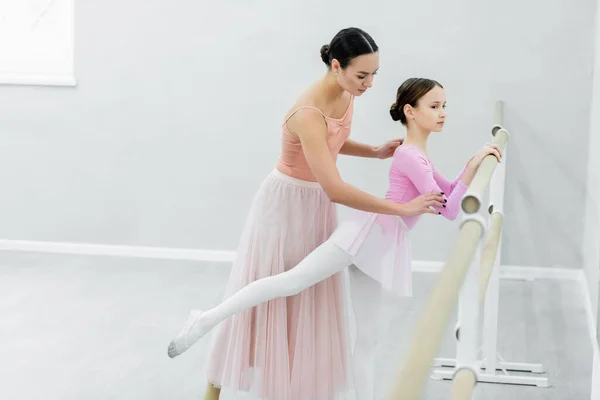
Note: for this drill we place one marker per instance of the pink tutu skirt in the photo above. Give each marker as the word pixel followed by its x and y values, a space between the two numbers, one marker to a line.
pixel 294 348
pixel 380 247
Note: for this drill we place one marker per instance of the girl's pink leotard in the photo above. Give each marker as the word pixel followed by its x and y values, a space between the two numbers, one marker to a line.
pixel 412 174
pixel 380 244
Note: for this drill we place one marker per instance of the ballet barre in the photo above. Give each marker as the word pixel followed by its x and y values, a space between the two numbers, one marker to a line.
pixel 488 295
pixel 490 251
pixel 472 199
pixel 434 319
pixel 471 278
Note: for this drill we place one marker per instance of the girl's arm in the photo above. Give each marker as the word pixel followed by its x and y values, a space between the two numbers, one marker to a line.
pixel 489 149
pixel 447 186
pixel 416 167
pixel 469 170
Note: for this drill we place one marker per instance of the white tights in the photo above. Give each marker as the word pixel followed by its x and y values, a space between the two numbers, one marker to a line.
pixel 324 261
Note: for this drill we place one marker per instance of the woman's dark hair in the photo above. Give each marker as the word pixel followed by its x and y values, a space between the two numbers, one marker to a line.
pixel 410 92
pixel 347 44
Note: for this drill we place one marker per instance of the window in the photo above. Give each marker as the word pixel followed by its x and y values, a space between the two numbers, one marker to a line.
pixel 36 42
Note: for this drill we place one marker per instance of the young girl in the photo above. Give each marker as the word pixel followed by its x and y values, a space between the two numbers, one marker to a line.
pixel 376 244
pixel 273 350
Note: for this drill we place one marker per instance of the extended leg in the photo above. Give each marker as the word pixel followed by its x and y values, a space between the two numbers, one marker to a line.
pixel 323 262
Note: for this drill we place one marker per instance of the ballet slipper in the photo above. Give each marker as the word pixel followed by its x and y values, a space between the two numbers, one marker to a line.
pixel 191 332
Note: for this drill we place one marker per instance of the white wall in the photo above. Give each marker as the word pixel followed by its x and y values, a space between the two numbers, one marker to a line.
pixel 176 118
pixel 591 237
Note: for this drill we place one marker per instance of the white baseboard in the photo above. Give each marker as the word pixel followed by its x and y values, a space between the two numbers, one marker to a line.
pixel 92 249
pixel 427 266
pixel 528 273
pixel 513 272
pixel 38 80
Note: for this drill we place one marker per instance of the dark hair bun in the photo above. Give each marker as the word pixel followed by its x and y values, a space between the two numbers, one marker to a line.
pixel 325 54
pixel 346 45
pixel 395 113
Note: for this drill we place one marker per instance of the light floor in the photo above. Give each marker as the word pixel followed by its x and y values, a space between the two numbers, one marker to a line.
pixel 87 328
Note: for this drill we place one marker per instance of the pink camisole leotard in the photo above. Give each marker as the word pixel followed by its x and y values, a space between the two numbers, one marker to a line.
pixel 292 161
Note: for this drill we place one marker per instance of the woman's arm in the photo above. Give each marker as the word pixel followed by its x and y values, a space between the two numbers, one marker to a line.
pixel 352 148
pixel 309 126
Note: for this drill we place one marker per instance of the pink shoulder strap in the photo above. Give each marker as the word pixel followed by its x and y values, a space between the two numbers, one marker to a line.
pixel 300 108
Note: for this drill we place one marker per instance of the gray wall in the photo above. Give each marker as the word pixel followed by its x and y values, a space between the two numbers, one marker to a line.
pixel 175 121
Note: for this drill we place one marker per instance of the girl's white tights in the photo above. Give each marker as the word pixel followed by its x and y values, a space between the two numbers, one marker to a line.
pixel 324 261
